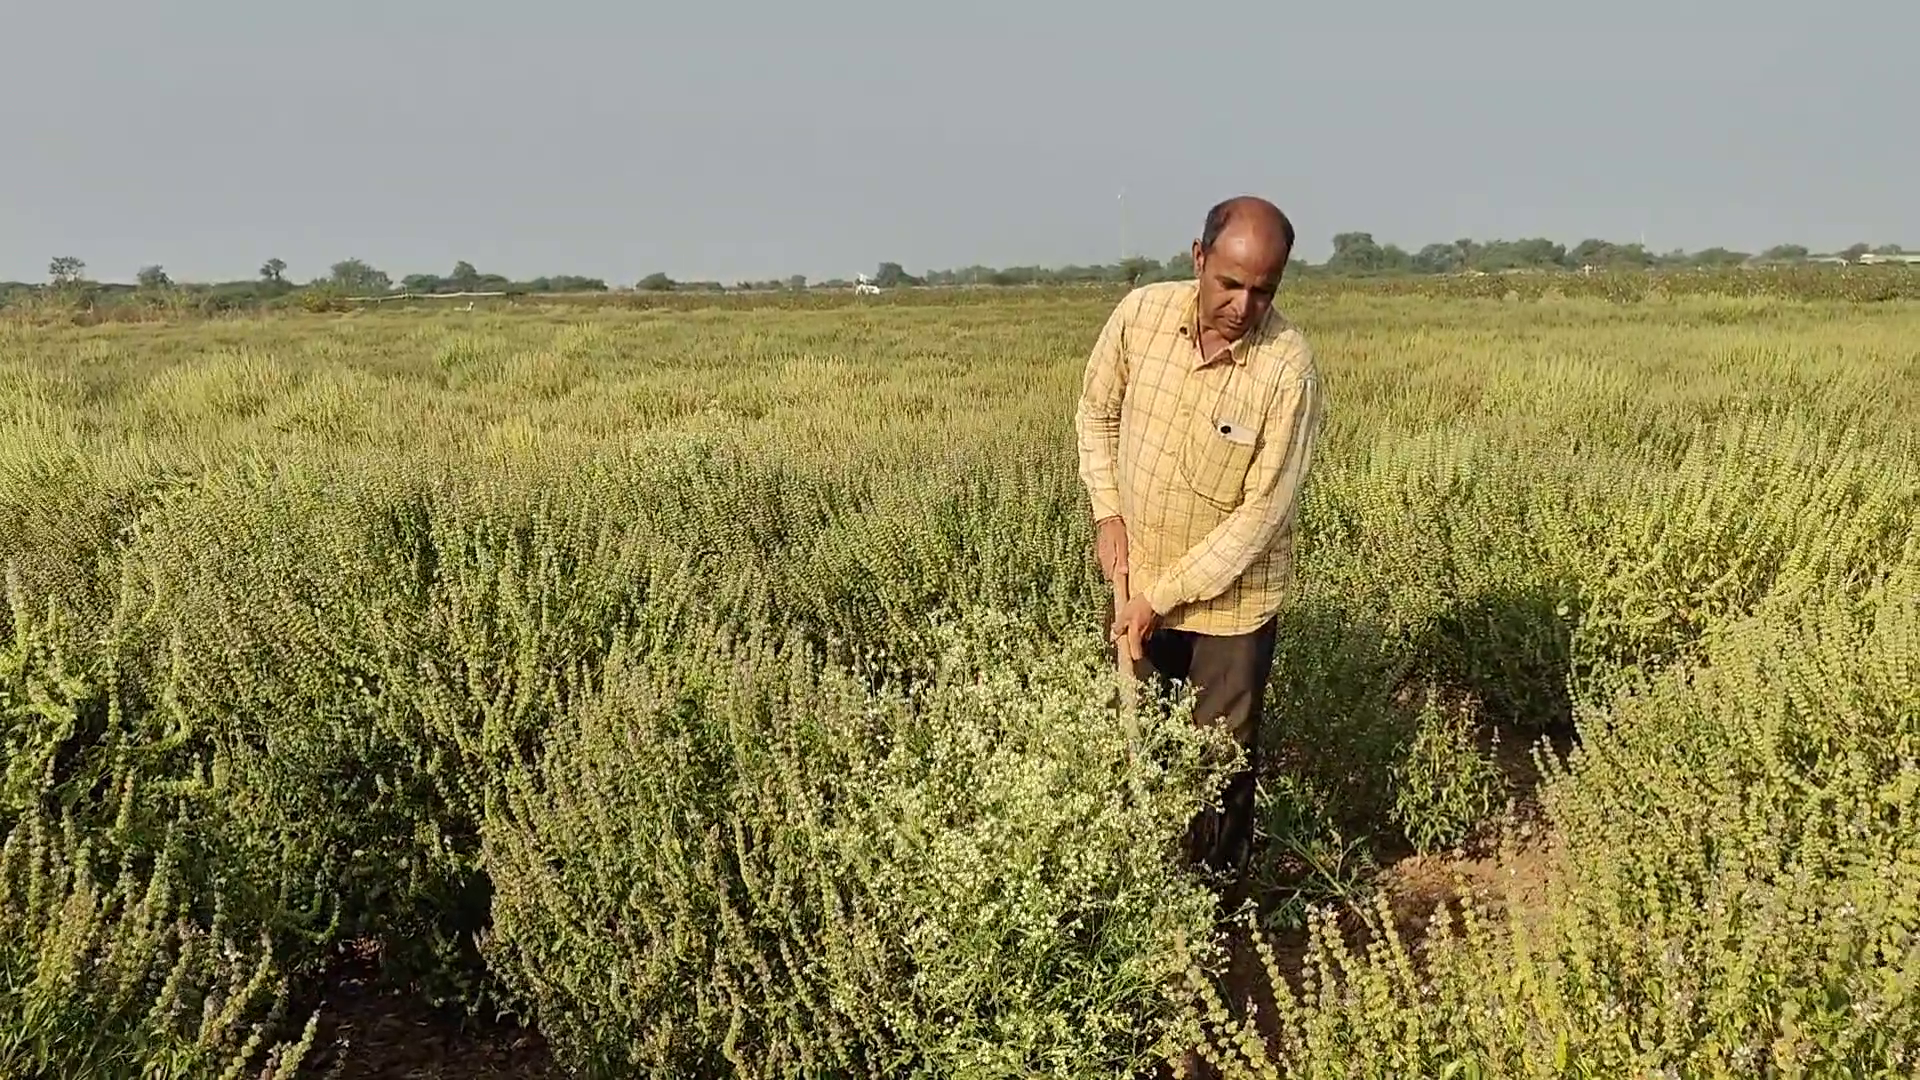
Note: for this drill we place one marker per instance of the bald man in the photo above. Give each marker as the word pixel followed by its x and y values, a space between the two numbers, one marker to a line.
pixel 1196 425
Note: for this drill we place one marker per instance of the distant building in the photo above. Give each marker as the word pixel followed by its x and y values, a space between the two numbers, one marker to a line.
pixel 1911 258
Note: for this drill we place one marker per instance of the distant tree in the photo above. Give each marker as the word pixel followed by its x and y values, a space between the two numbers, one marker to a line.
pixel 464 276
pixel 1785 253
pixel 153 277
pixel 1634 254
pixel 889 275
pixel 1854 251
pixel 568 283
pixel 1590 252
pixel 273 271
pixel 356 275
pixel 1439 258
pixel 1718 256
pixel 1358 253
pixel 420 283
pixel 656 282
pixel 798 282
pixel 1134 269
pixel 1533 253
pixel 66 270
pixel 1152 270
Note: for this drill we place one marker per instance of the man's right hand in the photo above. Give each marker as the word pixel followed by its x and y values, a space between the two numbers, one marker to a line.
pixel 1110 545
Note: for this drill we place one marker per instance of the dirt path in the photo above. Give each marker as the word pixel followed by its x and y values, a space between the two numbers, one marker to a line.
pixel 369 1033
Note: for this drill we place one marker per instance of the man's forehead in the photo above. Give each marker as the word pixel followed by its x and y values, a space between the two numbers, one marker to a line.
pixel 1247 257
pixel 1247 271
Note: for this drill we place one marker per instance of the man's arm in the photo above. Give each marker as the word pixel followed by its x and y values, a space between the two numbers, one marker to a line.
pixel 1097 417
pixel 1273 483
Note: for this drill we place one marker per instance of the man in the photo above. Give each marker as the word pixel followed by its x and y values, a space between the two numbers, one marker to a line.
pixel 1196 424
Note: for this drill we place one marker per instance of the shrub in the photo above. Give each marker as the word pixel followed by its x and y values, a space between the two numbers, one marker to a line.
pixel 111 975
pixel 117 953
pixel 1738 886
pixel 739 861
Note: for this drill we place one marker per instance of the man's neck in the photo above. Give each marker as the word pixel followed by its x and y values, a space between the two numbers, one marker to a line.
pixel 1212 342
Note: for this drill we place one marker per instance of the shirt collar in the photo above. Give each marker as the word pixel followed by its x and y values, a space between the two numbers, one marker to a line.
pixel 1260 334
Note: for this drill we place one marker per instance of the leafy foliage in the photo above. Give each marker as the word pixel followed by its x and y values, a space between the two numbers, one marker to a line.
pixel 723 690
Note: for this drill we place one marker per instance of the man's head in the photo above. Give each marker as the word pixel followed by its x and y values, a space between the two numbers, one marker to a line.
pixel 1238 260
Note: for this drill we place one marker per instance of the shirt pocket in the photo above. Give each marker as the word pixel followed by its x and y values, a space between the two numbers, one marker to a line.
pixel 1216 456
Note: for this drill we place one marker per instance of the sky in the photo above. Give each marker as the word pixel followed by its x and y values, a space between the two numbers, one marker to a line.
pixel 750 140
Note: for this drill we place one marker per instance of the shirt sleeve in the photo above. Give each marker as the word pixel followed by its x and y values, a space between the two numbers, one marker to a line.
pixel 1097 418
pixel 1272 486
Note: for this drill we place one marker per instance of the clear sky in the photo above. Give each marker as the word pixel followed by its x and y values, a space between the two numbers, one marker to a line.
pixel 752 139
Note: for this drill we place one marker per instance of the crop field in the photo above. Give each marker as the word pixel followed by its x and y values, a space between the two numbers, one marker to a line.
pixel 709 689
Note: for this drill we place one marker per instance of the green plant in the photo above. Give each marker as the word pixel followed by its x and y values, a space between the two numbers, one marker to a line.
pixel 1444 784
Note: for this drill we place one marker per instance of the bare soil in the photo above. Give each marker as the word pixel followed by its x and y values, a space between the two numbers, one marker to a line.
pixel 370 1033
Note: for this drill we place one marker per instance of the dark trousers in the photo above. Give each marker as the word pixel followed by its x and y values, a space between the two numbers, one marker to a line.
pixel 1229 675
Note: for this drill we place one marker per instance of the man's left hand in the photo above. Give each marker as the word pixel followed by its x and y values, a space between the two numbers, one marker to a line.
pixel 1131 627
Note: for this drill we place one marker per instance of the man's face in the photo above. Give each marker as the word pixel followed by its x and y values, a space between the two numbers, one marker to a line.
pixel 1237 281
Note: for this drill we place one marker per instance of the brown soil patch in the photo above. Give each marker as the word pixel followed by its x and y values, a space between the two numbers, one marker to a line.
pixel 370 1033
pixel 1415 888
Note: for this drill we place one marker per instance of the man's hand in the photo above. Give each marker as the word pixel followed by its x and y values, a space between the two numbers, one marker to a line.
pixel 1136 621
pixel 1110 545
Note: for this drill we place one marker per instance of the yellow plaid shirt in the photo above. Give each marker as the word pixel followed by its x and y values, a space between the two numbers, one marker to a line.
pixel 1202 457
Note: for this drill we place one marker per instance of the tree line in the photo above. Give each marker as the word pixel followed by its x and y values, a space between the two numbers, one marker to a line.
pixel 1359 253
pixel 348 277
pixel 1355 254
